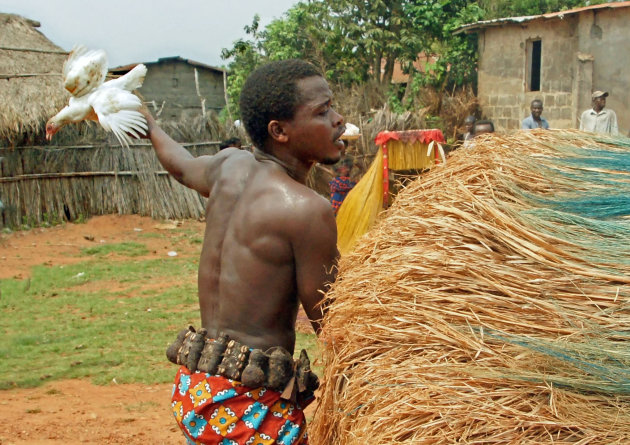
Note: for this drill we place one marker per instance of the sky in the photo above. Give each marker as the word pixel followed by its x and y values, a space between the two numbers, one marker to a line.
pixel 132 31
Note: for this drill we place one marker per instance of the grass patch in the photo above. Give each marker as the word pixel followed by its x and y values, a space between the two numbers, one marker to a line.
pixel 309 342
pixel 130 249
pixel 54 326
pixel 52 330
pixel 190 235
pixel 150 235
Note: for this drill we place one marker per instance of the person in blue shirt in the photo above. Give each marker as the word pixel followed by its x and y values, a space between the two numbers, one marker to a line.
pixel 535 120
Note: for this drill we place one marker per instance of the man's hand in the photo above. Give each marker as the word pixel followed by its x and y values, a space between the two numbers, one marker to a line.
pixel 150 121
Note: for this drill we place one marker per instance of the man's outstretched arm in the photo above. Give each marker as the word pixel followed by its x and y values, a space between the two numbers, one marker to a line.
pixel 316 258
pixel 185 168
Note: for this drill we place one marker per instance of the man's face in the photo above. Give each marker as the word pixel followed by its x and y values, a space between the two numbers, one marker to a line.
pixel 537 109
pixel 599 103
pixel 343 171
pixel 316 127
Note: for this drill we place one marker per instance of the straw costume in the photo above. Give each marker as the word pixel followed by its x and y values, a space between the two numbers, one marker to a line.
pixel 490 304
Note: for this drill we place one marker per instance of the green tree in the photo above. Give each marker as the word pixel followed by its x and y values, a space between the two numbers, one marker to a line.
pixel 301 33
pixel 312 32
pixel 247 55
pixel 356 41
pixel 374 34
pixel 503 8
pixel 456 55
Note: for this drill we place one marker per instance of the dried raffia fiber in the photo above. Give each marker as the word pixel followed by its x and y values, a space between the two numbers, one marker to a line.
pixel 362 205
pixel 409 156
pixel 490 304
pixel 407 150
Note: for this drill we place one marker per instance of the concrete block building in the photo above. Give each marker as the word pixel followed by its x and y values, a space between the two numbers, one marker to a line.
pixel 560 58
pixel 177 88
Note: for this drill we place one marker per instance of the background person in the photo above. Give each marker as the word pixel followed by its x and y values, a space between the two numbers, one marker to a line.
pixel 598 119
pixel 341 184
pixel 535 120
pixel 468 127
pixel 482 127
pixel 231 142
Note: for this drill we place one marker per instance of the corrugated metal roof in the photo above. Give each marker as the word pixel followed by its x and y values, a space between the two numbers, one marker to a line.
pixel 166 59
pixel 472 27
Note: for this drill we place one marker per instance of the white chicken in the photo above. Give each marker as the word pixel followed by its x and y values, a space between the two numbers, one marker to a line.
pixel 110 103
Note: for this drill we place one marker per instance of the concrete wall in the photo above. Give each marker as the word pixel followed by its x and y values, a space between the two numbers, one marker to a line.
pixel 171 85
pixel 580 53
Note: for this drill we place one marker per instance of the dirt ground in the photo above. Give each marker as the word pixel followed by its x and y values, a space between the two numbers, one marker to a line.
pixel 76 411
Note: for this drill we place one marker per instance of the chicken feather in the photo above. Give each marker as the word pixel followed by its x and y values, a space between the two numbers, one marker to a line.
pixel 84 70
pixel 110 103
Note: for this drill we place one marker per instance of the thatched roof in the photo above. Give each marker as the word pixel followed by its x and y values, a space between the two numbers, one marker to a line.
pixel 30 77
pixel 123 69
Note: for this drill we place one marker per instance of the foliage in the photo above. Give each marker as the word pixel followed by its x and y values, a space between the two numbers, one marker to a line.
pixel 502 8
pixel 456 55
pixel 374 34
pixel 357 42
pixel 247 55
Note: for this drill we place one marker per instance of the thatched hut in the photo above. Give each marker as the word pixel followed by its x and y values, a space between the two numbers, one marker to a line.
pixel 84 172
pixel 30 79
pixel 490 305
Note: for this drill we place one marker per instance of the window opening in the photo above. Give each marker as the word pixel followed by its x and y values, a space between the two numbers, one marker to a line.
pixel 534 63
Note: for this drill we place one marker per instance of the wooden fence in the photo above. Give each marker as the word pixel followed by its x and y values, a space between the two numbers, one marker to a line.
pixel 52 184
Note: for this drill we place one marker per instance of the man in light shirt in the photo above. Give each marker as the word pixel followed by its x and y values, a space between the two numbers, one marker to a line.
pixel 535 120
pixel 598 119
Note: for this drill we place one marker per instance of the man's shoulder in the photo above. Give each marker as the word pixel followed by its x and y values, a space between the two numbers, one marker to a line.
pixel 308 200
pixel 545 122
pixel 229 164
pixel 527 122
pixel 234 153
pixel 229 157
pixel 289 195
pixel 294 209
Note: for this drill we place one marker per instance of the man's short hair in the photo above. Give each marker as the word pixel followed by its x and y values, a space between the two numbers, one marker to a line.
pixel 231 142
pixel 481 123
pixel 271 93
pixel 536 101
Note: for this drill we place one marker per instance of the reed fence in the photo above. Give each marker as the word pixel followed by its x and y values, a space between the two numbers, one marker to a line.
pixel 41 184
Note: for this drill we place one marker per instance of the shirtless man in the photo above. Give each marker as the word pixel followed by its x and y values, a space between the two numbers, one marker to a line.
pixel 269 245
